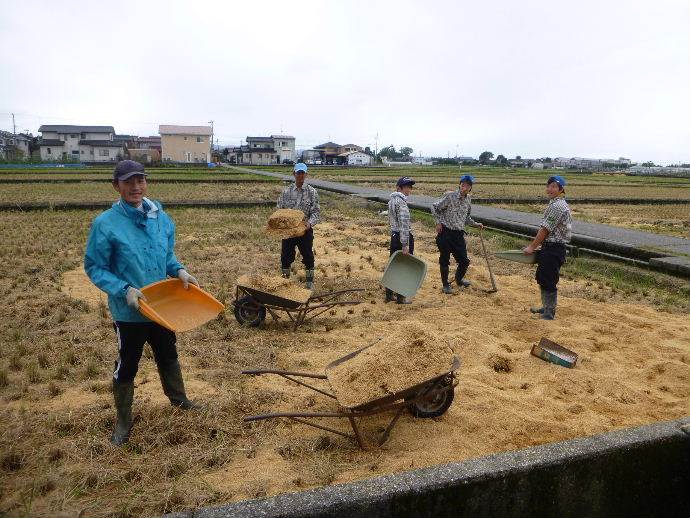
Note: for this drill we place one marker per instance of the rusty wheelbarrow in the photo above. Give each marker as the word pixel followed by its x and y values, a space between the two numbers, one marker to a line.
pixel 251 305
pixel 430 398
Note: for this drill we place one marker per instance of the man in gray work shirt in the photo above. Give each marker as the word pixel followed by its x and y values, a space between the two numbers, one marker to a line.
pixel 300 196
pixel 452 213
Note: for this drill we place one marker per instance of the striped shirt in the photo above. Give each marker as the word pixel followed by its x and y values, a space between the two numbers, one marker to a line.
pixel 558 221
pixel 303 198
pixel 399 216
pixel 453 211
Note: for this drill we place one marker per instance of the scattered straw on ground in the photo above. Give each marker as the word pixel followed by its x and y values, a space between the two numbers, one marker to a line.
pixel 412 354
pixel 275 285
pixel 77 285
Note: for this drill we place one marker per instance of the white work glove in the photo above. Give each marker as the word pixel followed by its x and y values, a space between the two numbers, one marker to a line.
pixel 186 278
pixel 133 295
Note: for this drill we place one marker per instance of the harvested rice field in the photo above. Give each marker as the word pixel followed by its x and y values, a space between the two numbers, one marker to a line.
pixel 668 219
pixel 166 192
pixel 57 347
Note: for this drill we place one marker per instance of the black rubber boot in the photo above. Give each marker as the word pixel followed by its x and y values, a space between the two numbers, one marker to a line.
pixel 459 274
pixel 540 310
pixel 309 284
pixel 399 299
pixel 123 393
pixel 173 386
pixel 550 302
pixel 444 280
pixel 285 272
pixel 389 295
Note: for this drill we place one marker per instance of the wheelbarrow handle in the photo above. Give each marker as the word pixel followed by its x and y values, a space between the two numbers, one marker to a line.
pixel 258 372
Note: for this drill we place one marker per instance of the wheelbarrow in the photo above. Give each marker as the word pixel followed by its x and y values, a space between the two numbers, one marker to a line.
pixel 251 305
pixel 430 398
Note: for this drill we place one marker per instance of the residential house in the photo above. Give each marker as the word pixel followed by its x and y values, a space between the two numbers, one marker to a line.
pixel 151 142
pixel 80 143
pixel 282 145
pixel 245 155
pixel 14 146
pixel 187 144
pixel 355 158
pixel 329 151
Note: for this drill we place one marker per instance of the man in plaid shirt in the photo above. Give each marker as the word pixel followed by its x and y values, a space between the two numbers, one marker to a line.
pixel 554 233
pixel 399 219
pixel 452 213
pixel 300 196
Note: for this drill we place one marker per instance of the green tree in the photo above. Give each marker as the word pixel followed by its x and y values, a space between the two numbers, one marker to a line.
pixel 648 164
pixel 485 157
pixel 501 160
pixel 388 152
pixel 406 151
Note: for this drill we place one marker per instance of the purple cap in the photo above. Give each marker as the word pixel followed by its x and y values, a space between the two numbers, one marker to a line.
pixel 126 169
pixel 405 180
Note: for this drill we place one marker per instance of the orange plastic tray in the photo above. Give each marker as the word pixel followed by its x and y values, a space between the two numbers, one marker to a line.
pixel 170 305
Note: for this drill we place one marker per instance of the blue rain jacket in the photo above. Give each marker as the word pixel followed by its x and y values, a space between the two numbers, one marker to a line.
pixel 127 247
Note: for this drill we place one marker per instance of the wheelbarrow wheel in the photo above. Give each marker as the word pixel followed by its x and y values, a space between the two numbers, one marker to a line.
pixel 248 312
pixel 434 404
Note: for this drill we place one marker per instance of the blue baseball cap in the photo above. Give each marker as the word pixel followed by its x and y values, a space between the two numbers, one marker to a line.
pixel 558 179
pixel 126 169
pixel 300 168
pixel 467 178
pixel 405 180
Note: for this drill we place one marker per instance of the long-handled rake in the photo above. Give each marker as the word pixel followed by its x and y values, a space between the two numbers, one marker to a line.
pixel 493 289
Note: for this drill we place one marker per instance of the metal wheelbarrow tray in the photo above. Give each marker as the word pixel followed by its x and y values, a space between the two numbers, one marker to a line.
pixel 430 398
pixel 251 305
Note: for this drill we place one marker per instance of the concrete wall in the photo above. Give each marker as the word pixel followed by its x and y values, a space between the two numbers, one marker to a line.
pixel 641 471
pixel 185 148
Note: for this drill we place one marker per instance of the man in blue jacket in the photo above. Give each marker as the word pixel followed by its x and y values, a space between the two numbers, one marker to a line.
pixel 131 245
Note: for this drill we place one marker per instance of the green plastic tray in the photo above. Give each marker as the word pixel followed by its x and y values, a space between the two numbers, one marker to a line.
pixel 404 274
pixel 517 256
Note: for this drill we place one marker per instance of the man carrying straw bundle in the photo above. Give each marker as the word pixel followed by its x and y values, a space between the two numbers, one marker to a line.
pixel 399 219
pixel 554 233
pixel 452 213
pixel 302 197
pixel 130 246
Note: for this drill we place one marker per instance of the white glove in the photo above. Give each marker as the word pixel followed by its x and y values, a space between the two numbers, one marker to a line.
pixel 186 278
pixel 133 295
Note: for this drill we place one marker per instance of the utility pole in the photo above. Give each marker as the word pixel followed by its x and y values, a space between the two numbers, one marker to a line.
pixel 14 126
pixel 376 148
pixel 210 158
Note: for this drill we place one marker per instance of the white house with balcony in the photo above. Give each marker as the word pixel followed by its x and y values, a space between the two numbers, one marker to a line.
pixel 80 143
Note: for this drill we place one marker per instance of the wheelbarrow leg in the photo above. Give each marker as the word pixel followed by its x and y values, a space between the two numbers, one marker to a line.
pixel 358 436
pixel 390 426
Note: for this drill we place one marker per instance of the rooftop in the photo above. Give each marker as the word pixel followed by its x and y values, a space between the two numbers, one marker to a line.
pixel 170 129
pixel 62 128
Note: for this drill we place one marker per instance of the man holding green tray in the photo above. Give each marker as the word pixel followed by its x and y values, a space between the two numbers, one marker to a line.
pixel 132 245
pixel 401 233
pixel 554 233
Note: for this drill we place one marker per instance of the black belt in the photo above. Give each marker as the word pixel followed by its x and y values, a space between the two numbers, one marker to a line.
pixel 546 244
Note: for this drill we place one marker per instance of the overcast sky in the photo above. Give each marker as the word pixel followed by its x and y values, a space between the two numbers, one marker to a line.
pixel 540 78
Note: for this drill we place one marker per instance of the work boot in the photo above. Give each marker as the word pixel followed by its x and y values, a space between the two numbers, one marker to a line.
pixel 550 301
pixel 123 393
pixel 462 283
pixel 540 310
pixel 173 386
pixel 285 272
pixel 389 295
pixel 402 300
pixel 309 284
pixel 444 280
